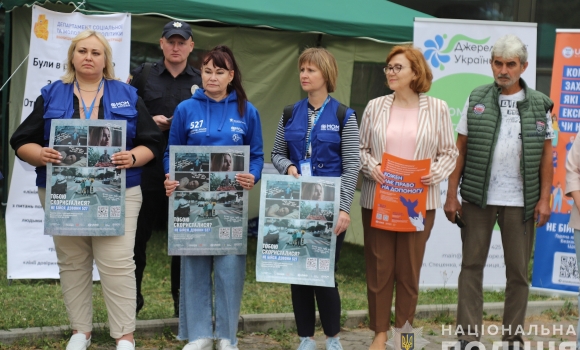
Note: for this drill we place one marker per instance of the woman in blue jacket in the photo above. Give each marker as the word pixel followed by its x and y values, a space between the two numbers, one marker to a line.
pixel 217 115
pixel 90 81
pixel 320 138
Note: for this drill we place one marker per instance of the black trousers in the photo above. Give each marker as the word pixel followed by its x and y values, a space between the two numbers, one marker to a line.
pixel 153 214
pixel 327 298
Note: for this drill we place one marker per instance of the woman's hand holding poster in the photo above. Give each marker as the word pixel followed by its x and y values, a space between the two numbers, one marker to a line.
pixel 400 200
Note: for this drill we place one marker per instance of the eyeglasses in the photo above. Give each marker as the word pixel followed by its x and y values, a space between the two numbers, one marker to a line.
pixel 395 69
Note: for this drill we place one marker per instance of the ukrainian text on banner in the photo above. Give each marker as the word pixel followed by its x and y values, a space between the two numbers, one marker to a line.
pixel 210 208
pixel 459 54
pixel 30 253
pixel 85 193
pixel 296 240
pixel 555 264
pixel 400 201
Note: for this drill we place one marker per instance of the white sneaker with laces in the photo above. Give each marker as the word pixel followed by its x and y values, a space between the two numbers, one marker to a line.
pixel 200 344
pixel 126 345
pixel 225 344
pixel 78 341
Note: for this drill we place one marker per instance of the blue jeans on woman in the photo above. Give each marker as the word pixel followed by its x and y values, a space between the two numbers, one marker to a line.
pixel 195 299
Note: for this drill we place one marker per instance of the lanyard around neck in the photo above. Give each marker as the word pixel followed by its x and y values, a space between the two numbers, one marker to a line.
pixel 90 111
pixel 314 124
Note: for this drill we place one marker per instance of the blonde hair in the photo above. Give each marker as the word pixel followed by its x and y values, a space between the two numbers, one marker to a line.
pixel 108 71
pixel 325 61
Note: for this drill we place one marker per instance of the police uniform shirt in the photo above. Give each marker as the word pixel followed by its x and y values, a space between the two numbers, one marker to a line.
pixel 162 92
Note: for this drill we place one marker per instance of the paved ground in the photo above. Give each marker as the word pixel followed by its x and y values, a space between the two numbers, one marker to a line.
pixel 361 338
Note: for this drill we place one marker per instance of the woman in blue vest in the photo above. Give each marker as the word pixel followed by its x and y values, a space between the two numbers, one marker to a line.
pixel 217 115
pixel 88 90
pixel 319 140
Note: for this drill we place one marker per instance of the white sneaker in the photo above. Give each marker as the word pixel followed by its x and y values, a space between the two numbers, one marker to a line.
pixel 78 341
pixel 225 344
pixel 200 344
pixel 126 345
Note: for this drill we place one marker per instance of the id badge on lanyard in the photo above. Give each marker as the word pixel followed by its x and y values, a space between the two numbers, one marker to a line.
pixel 306 164
pixel 305 167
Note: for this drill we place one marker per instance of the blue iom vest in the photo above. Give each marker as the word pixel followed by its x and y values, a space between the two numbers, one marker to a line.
pixel 119 103
pixel 326 158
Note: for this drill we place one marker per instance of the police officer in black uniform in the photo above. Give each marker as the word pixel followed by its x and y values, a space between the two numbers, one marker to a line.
pixel 162 85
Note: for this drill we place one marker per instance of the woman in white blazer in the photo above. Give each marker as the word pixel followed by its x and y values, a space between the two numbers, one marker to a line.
pixel 411 125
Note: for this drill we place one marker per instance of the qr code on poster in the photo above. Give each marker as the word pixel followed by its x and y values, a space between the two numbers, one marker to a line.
pixel 224 233
pixel 311 263
pixel 102 211
pixel 568 267
pixel 323 264
pixel 115 211
pixel 237 232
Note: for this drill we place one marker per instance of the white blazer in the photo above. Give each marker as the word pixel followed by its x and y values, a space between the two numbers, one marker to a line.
pixel 435 140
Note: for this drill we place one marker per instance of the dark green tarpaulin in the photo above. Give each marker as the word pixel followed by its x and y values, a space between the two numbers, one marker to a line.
pixel 376 19
pixel 268 58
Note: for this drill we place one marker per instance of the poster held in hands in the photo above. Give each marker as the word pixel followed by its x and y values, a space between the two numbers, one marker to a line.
pixel 296 240
pixel 210 208
pixel 85 193
pixel 400 201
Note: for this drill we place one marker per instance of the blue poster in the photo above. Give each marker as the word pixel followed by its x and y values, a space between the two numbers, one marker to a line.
pixel 85 193
pixel 209 215
pixel 555 255
pixel 296 242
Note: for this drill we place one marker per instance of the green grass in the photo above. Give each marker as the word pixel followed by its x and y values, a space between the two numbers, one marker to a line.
pixel 37 303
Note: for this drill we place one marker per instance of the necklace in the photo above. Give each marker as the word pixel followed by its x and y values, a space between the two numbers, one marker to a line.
pixel 90 111
pixel 86 90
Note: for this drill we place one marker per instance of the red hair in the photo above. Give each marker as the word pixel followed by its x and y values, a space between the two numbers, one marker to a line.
pixel 419 66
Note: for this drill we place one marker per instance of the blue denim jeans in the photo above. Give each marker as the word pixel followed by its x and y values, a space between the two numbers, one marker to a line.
pixel 577 243
pixel 197 287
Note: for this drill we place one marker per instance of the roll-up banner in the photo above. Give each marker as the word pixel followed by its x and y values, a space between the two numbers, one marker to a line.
pixel 459 54
pixel 31 254
pixel 555 266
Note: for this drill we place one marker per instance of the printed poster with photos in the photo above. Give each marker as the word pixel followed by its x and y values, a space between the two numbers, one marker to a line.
pixel 296 242
pixel 210 208
pixel 85 193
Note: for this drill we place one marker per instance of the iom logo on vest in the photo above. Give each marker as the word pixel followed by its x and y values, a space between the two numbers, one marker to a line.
pixel 121 104
pixel 329 127
pixel 466 51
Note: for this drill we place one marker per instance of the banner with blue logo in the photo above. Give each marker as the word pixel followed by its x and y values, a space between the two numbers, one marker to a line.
pixel 459 54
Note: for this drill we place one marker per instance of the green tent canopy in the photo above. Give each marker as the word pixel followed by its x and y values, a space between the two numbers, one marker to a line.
pixel 267 58
pixel 376 19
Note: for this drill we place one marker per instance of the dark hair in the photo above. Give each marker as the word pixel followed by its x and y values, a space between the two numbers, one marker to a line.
pixel 223 57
